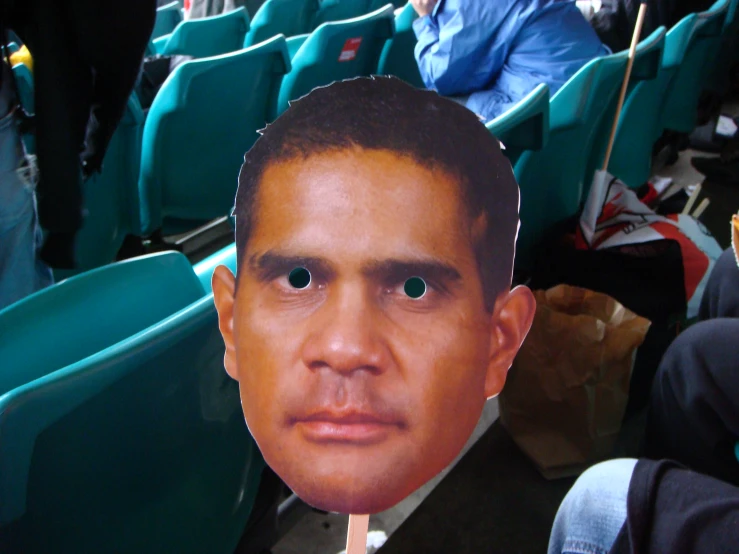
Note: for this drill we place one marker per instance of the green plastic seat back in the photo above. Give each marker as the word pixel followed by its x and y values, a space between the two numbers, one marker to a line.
pixel 728 50
pixel 201 123
pixel 326 55
pixel 167 19
pixel 525 126
pixel 209 36
pixel 681 106
pixel 85 314
pixel 640 124
pixel 204 269
pixel 339 10
pixel 646 68
pixel 552 179
pixel 140 448
pixel 281 17
pixel 398 56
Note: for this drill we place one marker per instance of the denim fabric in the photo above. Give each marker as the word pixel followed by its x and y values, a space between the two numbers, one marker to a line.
pixel 594 510
pixel 21 273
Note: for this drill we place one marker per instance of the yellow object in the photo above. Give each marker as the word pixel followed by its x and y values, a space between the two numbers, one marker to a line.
pixel 735 236
pixel 22 56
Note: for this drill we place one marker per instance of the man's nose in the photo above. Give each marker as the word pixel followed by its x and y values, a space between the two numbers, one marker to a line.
pixel 345 334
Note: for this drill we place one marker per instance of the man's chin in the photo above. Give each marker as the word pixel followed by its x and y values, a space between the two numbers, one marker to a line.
pixel 348 500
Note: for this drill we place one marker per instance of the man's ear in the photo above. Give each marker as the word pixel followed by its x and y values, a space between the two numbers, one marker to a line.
pixel 512 319
pixel 223 283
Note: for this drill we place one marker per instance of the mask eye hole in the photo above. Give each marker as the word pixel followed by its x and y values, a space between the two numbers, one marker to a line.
pixel 299 278
pixel 415 287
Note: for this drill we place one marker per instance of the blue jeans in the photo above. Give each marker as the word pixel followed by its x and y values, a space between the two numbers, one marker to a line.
pixel 594 510
pixel 21 273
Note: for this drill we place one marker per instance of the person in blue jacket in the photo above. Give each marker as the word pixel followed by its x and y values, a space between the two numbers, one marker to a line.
pixel 489 54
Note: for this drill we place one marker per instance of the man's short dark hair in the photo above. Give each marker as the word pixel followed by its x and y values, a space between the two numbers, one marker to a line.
pixel 384 113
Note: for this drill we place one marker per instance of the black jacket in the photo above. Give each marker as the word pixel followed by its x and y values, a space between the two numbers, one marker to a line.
pixel 87 56
pixel 616 19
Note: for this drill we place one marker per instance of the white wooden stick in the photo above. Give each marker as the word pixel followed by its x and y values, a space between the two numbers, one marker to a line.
pixel 701 208
pixel 356 536
pixel 625 84
pixel 691 200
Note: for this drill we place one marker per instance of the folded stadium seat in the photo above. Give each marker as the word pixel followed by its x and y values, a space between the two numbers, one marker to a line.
pixel 641 118
pixel 167 19
pixel 552 179
pixel 207 36
pixel 338 10
pixel 119 429
pixel 398 57
pixel 728 51
pixel 203 120
pixel 281 17
pixel 525 126
pixel 646 69
pixel 336 51
pixel 680 111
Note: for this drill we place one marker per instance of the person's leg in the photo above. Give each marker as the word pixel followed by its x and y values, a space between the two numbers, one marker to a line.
pixel 594 510
pixel 21 273
pixel 693 416
pixel 721 296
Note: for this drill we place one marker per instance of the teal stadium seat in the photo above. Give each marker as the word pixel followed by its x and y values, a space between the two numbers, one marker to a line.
pixel 398 57
pixel 119 428
pixel 207 36
pixel 201 123
pixel 552 179
pixel 339 10
pixel 728 52
pixel 525 126
pixel 680 111
pixel 641 119
pixel 336 51
pixel 281 17
pixel 167 19
pixel 644 89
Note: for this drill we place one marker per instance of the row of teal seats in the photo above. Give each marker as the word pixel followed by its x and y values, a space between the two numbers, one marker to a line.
pixel 177 166
pixel 231 31
pixel 119 429
pixel 569 133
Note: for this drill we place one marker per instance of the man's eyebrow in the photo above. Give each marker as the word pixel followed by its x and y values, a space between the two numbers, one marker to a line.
pixel 269 264
pixel 403 269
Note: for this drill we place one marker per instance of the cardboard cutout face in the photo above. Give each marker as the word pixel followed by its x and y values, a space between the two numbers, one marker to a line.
pixel 362 329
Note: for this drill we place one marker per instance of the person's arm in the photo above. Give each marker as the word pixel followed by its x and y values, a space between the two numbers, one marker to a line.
pixel 458 49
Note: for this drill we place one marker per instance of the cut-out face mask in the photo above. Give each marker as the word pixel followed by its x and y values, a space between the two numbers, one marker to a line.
pixel 363 330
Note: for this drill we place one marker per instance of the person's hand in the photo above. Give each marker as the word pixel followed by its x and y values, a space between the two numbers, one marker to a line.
pixel 423 7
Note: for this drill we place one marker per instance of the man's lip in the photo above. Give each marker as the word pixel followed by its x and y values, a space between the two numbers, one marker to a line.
pixel 346 418
pixel 359 428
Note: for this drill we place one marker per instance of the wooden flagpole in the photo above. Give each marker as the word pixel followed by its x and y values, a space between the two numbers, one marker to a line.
pixel 625 84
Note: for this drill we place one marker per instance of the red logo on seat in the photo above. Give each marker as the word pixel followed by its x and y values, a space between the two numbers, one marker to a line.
pixel 350 49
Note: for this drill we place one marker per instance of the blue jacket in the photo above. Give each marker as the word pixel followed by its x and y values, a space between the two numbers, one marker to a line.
pixel 492 53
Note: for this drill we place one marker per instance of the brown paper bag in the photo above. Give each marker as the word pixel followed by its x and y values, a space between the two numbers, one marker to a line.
pixel 567 390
